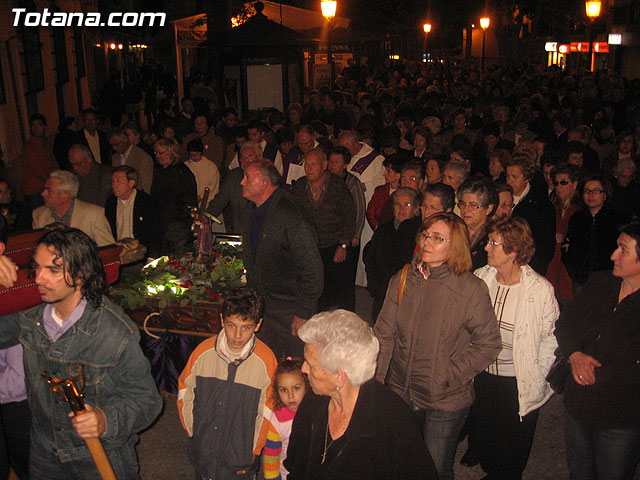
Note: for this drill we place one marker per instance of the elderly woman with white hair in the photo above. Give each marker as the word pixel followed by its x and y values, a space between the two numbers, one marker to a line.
pixel 351 426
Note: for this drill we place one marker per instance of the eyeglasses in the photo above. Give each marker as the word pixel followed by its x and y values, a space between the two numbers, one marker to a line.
pixel 471 206
pixel 423 237
pixel 493 243
pixel 561 182
pixel 413 179
pixel 403 204
pixel 593 191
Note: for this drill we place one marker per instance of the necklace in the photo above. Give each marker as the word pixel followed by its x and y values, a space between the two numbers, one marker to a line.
pixel 326 447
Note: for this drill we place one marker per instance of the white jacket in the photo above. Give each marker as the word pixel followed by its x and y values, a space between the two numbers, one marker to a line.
pixel 533 339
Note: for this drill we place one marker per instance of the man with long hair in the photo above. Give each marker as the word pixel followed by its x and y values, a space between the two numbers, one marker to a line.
pixel 79 332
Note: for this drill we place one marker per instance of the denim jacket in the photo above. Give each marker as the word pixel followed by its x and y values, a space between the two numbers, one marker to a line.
pixel 118 379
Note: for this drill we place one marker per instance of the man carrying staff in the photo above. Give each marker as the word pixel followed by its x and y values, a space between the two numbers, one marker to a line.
pixel 78 329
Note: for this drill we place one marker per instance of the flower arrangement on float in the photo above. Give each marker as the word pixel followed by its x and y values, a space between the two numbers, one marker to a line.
pixel 182 280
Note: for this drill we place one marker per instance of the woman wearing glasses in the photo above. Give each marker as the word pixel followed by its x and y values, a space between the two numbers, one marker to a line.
pixel 592 232
pixel 477 201
pixel 437 330
pixel 566 200
pixel 392 245
pixel 510 392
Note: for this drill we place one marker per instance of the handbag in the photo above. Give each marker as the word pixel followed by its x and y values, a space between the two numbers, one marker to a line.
pixel 559 371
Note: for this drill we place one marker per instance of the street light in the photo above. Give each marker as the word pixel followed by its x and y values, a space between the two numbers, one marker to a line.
pixel 427 30
pixel 484 24
pixel 593 11
pixel 328 12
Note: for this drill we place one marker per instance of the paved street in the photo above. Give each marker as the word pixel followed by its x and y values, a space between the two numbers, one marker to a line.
pixel 162 449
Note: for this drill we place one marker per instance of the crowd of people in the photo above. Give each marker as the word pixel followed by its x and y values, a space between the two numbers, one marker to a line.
pixel 491 218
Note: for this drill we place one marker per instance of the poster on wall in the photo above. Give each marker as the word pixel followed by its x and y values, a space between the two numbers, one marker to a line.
pixel 231 88
pixel 264 87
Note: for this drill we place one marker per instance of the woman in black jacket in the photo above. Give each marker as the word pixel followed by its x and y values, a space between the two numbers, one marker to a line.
pixel 592 232
pixel 351 426
pixel 173 190
pixel 599 333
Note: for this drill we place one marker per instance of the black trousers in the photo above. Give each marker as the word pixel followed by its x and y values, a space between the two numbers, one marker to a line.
pixel 15 424
pixel 275 331
pixel 337 280
pixel 502 441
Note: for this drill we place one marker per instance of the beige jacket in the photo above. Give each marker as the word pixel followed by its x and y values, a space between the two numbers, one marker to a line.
pixel 441 335
pixel 86 217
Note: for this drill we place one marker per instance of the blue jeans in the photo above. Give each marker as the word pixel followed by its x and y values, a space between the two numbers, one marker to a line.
pixel 601 454
pixel 441 432
pixel 45 465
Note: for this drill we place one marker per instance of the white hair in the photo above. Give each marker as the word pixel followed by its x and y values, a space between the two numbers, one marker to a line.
pixel 344 342
pixel 252 146
pixel 68 182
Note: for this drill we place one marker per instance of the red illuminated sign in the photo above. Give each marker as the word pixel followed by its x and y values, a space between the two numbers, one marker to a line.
pixel 601 47
pixel 563 48
pixel 582 47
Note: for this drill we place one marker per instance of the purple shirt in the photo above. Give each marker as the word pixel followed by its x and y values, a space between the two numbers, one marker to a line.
pixel 54 329
pixel 12 388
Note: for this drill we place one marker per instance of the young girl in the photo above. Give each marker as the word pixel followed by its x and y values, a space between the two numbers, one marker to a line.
pixel 289 388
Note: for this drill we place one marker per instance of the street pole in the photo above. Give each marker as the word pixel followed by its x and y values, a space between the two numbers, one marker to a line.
pixel 484 34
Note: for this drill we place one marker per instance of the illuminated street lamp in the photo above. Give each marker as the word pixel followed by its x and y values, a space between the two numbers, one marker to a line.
pixel 484 24
pixel 427 30
pixel 328 12
pixel 328 9
pixel 593 11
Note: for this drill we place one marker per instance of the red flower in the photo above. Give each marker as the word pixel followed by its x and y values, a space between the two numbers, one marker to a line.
pixel 187 284
pixel 214 296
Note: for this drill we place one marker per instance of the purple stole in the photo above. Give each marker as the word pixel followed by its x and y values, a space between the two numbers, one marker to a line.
pixel 362 164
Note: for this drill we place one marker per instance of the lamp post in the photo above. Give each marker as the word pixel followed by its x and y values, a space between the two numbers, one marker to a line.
pixel 427 30
pixel 593 11
pixel 328 12
pixel 484 24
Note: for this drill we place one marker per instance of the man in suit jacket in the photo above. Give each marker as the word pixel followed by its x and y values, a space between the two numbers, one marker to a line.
pixel 132 213
pixel 94 178
pixel 94 138
pixel 281 257
pixel 62 206
pixel 128 154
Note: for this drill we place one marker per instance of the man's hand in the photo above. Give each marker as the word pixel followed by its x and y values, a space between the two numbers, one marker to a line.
pixel 583 368
pixel 340 255
pixel 296 323
pixel 90 424
pixel 8 272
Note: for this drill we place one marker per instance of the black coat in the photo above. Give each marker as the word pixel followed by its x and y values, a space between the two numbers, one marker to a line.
pixel 596 324
pixel 173 190
pixel 539 212
pixel 287 269
pixel 591 241
pixel 383 440
pixel 147 227
pixel 105 146
pixel 389 251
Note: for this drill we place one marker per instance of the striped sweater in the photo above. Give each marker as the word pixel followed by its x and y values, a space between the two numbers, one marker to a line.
pixel 275 450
